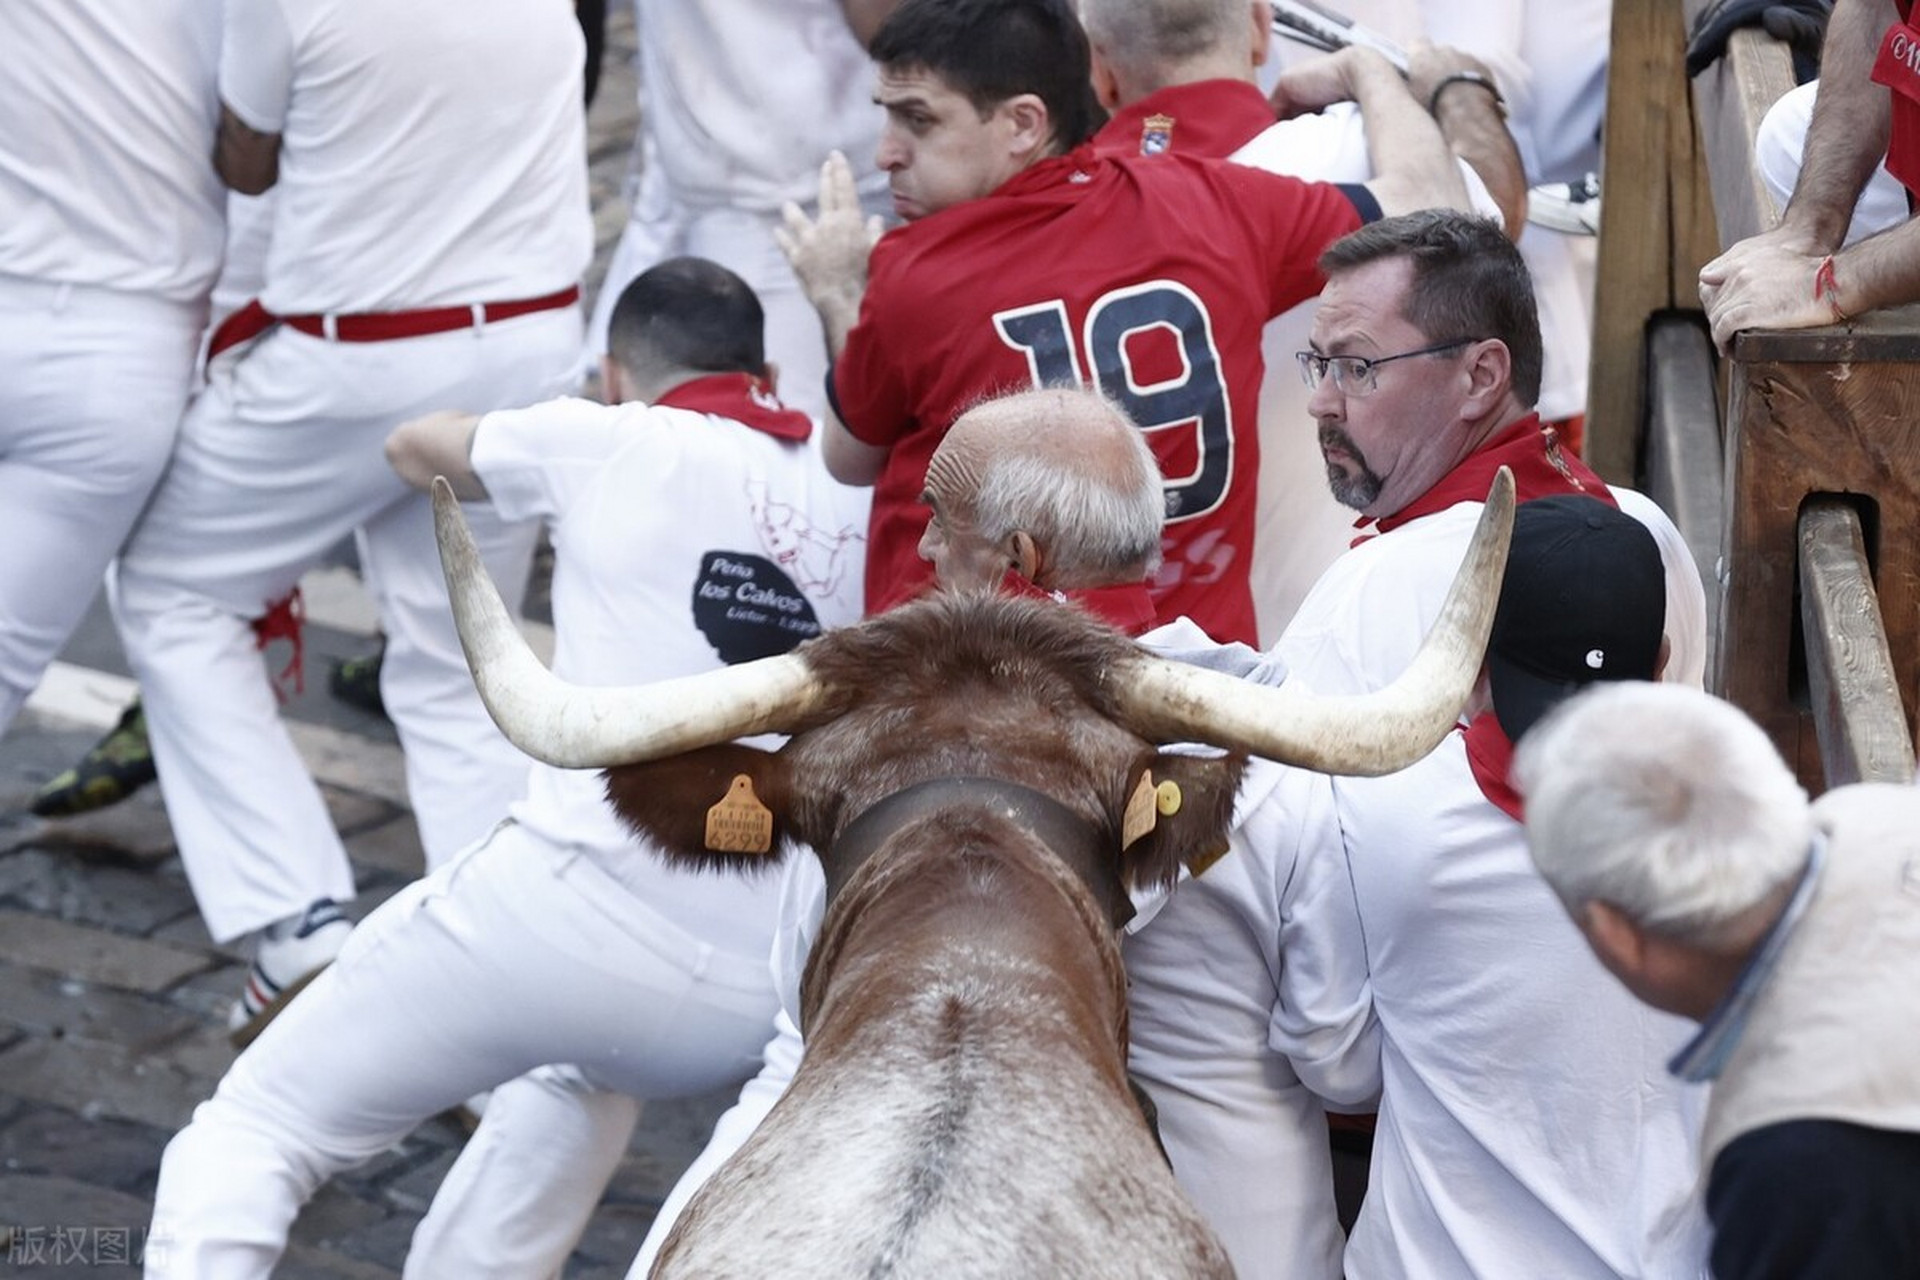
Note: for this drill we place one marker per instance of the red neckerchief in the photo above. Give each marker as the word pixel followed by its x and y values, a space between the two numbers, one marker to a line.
pixel 1205 118
pixel 743 398
pixel 1490 756
pixel 1530 448
pixel 1126 608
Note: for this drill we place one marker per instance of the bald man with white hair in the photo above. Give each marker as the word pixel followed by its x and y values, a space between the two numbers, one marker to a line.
pixel 1053 490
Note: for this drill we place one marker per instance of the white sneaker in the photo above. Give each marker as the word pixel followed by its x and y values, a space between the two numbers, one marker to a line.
pixel 1570 207
pixel 288 955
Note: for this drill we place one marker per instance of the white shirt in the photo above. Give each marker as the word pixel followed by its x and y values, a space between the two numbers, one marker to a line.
pixel 1363 621
pixel 432 153
pixel 673 531
pixel 106 171
pixel 1528 1126
pixel 744 99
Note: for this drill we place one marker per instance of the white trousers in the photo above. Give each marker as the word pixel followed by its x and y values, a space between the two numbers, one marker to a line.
pixel 92 385
pixel 278 459
pixel 1247 1140
pixel 513 955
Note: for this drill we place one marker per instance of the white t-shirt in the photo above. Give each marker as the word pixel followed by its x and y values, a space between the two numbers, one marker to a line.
pixel 432 153
pixel 683 541
pixel 745 98
pixel 1528 1126
pixel 106 171
pixel 1363 621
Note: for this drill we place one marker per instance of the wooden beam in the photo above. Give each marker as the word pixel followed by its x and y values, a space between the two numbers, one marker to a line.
pixel 1732 96
pixel 1683 464
pixel 1850 679
pixel 1656 224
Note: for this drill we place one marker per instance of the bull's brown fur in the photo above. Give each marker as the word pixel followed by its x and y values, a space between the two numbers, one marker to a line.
pixel 966 1012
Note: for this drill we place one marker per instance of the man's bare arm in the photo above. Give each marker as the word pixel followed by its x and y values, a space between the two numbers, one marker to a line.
pixel 1852 117
pixel 439 444
pixel 829 255
pixel 1414 166
pixel 848 460
pixel 1472 120
pixel 1775 280
pixel 865 16
pixel 246 159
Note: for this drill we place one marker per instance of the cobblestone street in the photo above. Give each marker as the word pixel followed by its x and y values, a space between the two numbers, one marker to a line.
pixel 113 999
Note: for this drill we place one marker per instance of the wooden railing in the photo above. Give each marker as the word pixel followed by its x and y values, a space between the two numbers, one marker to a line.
pixel 1802 503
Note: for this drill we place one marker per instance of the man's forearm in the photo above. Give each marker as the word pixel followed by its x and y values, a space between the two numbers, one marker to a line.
pixel 1473 124
pixel 1415 166
pixel 1851 121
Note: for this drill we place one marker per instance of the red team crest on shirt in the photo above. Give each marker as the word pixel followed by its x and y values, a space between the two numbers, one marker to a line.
pixel 1156 135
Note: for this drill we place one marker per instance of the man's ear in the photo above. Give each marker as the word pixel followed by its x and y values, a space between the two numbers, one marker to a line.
pixel 1614 937
pixel 1260 13
pixel 770 374
pixel 1024 555
pixel 1106 85
pixel 1489 368
pixel 1029 127
pixel 613 381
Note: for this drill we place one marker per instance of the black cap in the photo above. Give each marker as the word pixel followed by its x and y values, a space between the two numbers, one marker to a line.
pixel 1584 599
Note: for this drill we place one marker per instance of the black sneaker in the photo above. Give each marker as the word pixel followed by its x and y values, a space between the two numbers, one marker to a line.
pixel 356 681
pixel 113 769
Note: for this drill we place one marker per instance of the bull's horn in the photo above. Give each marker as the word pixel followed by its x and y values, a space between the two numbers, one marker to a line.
pixel 579 727
pixel 1367 735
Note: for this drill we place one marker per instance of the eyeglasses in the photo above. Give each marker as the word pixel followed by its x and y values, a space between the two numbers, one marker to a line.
pixel 1356 375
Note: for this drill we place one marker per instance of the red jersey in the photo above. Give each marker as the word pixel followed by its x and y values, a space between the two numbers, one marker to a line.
pixel 1205 118
pixel 1898 68
pixel 1149 276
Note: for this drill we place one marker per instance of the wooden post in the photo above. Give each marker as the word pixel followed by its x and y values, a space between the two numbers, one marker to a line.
pixel 1656 222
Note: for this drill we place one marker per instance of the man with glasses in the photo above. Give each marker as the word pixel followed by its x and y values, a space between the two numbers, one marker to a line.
pixel 1424 360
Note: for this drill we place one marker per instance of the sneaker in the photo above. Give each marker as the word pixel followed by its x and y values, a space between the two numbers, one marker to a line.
pixel 1569 207
pixel 113 769
pixel 289 954
pixel 356 681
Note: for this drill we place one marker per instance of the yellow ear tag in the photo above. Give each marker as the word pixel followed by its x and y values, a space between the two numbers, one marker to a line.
pixel 740 823
pixel 1166 798
pixel 1139 817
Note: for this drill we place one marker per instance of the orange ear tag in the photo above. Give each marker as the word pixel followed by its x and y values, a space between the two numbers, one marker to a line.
pixel 1140 816
pixel 740 823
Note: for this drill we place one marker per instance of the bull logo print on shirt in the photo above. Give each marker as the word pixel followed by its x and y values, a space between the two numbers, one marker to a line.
pixel 813 557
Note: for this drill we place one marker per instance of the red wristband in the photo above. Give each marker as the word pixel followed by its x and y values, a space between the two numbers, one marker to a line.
pixel 1827 289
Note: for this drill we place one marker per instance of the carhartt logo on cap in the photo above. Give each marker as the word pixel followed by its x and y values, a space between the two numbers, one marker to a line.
pixel 1596 659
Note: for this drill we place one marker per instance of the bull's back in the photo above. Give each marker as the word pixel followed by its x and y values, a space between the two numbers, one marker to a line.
pixel 1003 1157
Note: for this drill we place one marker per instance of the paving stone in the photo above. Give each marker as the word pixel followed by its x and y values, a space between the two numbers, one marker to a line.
pixel 135 828
pixel 47 1004
pixel 116 1154
pixel 58 1226
pixel 392 846
pixel 94 886
pixel 356 811
pixel 302 1262
pixel 107 1081
pixel 95 955
pixel 335 1212
pixel 611 1240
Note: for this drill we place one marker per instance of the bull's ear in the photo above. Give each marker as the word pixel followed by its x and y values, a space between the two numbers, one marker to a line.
pixel 1199 791
pixel 724 806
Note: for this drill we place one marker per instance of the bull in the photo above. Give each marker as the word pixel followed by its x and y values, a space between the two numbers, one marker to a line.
pixel 980 779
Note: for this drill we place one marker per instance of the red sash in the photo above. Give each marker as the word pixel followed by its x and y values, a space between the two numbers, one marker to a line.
pixel 1898 68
